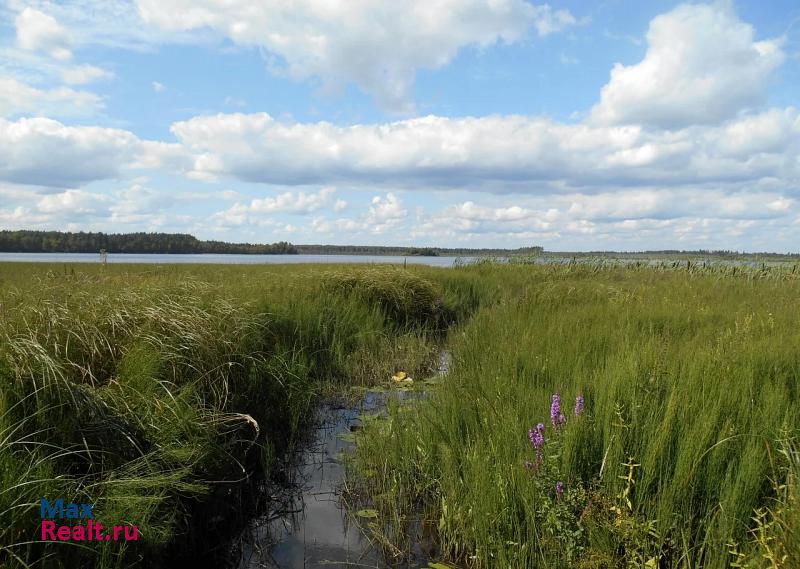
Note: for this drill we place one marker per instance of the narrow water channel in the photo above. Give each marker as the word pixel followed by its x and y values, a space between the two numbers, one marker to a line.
pixel 312 529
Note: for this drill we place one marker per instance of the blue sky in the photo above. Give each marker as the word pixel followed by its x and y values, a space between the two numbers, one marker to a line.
pixel 481 123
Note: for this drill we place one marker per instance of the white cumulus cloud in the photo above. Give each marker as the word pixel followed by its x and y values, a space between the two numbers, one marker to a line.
pixel 703 65
pixel 39 31
pixel 376 44
pixel 386 209
pixel 44 152
pixel 18 98
pixel 494 153
pixel 71 203
pixel 259 210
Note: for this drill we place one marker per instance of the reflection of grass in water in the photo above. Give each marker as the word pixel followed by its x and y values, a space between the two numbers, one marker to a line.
pixel 151 391
pixel 691 386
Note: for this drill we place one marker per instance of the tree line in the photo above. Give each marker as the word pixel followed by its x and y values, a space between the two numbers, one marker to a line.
pixel 413 251
pixel 25 241
pixel 66 242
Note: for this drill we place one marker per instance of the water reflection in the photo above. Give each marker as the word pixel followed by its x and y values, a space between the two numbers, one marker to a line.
pixel 310 526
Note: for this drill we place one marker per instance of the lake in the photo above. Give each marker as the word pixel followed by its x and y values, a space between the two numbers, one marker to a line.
pixel 227 259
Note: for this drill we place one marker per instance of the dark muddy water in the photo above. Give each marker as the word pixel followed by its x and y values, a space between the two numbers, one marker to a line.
pixel 316 531
pixel 311 528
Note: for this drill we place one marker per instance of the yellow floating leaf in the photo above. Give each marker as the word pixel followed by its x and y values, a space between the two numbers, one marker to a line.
pixel 399 376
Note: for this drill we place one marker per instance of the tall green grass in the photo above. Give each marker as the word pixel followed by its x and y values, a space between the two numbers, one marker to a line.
pixel 160 393
pixel 691 382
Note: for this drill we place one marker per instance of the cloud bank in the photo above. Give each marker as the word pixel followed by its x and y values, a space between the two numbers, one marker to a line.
pixel 680 145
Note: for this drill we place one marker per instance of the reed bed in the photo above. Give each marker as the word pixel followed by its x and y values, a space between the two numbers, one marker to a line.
pixel 163 395
pixel 672 439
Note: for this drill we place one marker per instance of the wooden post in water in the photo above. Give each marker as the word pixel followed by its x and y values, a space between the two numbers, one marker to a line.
pixel 103 256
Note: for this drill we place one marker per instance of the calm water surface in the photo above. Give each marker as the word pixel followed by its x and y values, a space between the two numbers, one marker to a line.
pixel 227 259
pixel 317 532
pixel 391 259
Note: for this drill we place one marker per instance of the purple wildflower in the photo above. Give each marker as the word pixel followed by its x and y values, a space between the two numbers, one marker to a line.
pixel 559 489
pixel 562 420
pixel 537 438
pixel 579 405
pixel 555 409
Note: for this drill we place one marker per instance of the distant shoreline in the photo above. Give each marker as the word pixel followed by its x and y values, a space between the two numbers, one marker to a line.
pixel 694 257
pixel 25 241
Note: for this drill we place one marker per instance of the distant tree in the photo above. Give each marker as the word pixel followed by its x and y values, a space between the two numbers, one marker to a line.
pixel 422 252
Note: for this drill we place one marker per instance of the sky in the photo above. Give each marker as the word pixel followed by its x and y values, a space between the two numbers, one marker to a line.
pixel 607 125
